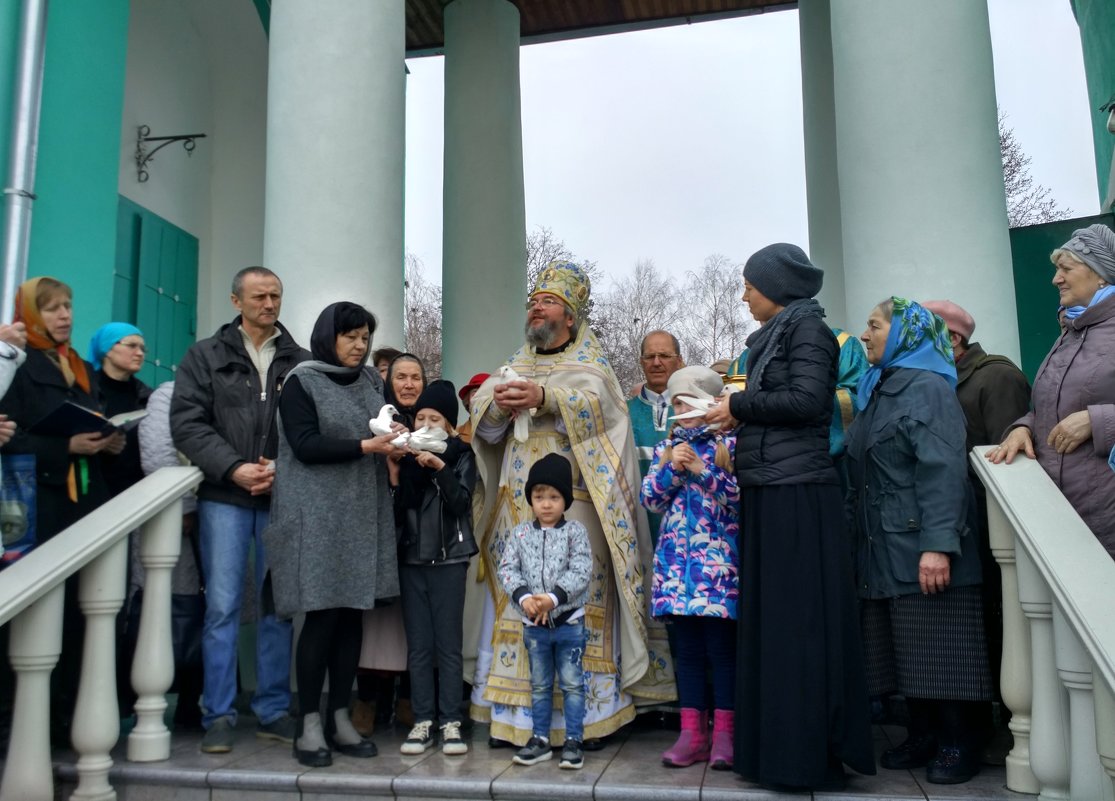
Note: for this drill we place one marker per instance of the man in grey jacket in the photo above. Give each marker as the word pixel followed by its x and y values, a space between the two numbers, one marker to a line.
pixel 223 419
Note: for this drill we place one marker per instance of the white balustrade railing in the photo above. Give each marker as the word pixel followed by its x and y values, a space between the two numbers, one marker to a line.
pixel 31 599
pixel 1058 670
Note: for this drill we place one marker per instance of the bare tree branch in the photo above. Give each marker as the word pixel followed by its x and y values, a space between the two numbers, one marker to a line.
pixel 1027 203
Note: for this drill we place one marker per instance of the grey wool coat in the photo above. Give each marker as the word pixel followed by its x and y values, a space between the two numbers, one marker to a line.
pixel 331 539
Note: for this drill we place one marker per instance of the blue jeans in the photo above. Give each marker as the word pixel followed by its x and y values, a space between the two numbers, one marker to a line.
pixel 562 647
pixel 226 532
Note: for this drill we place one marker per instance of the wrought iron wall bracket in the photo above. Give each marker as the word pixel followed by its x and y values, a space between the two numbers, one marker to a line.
pixel 143 157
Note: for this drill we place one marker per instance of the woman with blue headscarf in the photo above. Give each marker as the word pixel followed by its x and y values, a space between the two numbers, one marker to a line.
pixel 917 565
pixel 118 350
pixel 1071 431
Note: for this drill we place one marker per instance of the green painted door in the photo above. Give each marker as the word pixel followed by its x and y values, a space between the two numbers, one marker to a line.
pixel 155 287
pixel 1034 295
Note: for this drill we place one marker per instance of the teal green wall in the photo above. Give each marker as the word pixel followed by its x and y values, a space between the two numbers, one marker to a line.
pixel 73 225
pixel 9 44
pixel 1097 38
pixel 1034 294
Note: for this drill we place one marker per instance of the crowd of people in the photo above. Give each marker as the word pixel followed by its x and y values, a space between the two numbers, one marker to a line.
pixel 774 551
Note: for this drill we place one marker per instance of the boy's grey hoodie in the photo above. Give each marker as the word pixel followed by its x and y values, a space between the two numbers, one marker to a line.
pixel 554 560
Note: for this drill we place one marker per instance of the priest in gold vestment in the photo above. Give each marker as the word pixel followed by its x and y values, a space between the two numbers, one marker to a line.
pixel 567 391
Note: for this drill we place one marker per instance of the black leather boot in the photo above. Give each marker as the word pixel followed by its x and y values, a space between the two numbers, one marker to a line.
pixel 920 745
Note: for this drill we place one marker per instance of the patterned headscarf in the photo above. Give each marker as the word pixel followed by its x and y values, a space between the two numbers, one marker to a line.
pixel 1095 247
pixel 918 339
pixel 64 356
pixel 567 281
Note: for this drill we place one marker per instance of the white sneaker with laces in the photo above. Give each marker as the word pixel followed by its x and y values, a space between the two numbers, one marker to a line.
pixel 451 742
pixel 420 738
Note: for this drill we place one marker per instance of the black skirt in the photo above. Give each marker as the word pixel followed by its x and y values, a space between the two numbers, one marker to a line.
pixel 801 695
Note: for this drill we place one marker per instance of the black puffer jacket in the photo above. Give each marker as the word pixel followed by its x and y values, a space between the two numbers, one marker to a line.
pixel 434 509
pixel 784 433
pixel 220 416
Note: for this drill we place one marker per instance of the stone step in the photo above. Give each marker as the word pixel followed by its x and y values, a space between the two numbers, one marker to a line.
pixel 627 769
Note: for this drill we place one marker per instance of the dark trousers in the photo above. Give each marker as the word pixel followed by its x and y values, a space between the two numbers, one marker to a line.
pixel 433 610
pixel 700 642
pixel 330 641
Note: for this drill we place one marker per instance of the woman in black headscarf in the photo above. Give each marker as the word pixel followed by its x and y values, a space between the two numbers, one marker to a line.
pixel 331 542
pixel 801 695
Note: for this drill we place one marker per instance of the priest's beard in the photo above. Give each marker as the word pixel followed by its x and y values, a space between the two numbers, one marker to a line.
pixel 542 335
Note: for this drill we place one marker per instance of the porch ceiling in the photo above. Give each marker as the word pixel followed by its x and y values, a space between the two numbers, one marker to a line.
pixel 544 20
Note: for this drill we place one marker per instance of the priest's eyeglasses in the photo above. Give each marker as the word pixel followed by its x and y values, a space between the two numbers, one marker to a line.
pixel 544 302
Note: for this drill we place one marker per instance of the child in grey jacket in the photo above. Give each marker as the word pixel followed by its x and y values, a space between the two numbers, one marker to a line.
pixel 545 572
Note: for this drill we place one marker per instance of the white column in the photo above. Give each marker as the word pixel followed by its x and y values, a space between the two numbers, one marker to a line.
pixel 826 240
pixel 336 112
pixel 35 645
pixel 484 225
pixel 1014 676
pixel 96 725
pixel 920 175
pixel 153 664
pixel 1049 735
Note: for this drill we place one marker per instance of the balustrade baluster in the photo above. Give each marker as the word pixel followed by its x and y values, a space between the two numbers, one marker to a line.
pixel 35 645
pixel 1105 732
pixel 153 665
pixel 1049 735
pixel 1015 681
pixel 96 725
pixel 1074 668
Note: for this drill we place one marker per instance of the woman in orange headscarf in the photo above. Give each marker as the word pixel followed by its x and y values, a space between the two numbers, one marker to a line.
pixel 68 479
pixel 68 470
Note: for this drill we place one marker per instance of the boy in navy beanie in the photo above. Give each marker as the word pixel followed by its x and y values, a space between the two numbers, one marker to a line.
pixel 545 572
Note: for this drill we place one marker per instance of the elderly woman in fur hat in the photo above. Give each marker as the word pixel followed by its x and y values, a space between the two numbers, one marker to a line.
pixel 1071 429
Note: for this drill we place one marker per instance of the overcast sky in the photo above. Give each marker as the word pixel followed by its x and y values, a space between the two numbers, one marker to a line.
pixel 677 143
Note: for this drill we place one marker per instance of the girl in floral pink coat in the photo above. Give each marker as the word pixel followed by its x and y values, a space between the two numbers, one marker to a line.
pixel 696 564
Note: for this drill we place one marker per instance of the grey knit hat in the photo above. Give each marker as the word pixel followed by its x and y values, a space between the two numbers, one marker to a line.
pixel 694 382
pixel 1095 246
pixel 783 273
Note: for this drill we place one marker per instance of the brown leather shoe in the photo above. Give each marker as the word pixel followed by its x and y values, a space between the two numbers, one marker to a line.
pixel 364 718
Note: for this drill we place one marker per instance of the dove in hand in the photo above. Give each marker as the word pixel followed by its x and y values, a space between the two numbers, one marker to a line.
pixel 700 408
pixel 381 423
pixel 428 439
pixel 521 431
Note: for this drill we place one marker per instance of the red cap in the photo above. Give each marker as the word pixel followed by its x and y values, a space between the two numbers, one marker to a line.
pixel 473 383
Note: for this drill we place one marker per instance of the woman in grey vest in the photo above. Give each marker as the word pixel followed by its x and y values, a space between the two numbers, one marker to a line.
pixel 331 542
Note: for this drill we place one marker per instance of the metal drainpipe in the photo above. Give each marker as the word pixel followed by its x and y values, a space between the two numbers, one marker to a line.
pixel 19 190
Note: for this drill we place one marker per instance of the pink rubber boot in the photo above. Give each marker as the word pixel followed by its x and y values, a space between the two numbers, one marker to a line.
pixel 723 732
pixel 692 743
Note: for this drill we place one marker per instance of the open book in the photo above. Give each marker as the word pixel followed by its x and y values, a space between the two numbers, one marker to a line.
pixel 71 418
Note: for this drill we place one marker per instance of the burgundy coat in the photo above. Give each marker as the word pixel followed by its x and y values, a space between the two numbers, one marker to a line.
pixel 1078 374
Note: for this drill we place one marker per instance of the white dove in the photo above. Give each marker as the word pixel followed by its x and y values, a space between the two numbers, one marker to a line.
pixel 381 423
pixel 428 439
pixel 522 421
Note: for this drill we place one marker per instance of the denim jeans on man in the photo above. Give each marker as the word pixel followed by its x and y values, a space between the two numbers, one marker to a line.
pixel 563 647
pixel 226 534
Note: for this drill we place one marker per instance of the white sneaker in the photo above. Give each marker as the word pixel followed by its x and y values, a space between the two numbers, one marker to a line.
pixel 420 738
pixel 451 742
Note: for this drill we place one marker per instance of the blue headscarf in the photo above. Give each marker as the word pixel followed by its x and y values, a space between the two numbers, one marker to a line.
pixel 105 337
pixel 918 339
